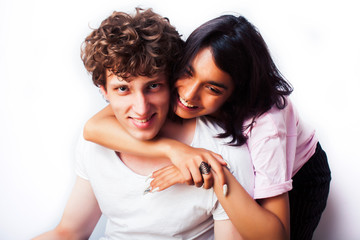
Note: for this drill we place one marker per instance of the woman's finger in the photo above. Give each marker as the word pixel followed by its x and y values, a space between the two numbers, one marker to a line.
pixel 162 171
pixel 166 178
pixel 217 168
pixel 208 180
pixel 196 175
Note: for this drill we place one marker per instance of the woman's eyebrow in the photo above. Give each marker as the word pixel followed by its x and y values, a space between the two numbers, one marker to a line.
pixel 220 85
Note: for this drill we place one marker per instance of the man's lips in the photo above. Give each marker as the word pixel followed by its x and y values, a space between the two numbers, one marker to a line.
pixel 142 122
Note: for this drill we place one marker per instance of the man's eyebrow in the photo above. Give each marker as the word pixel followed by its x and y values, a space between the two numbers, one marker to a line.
pixel 157 80
pixel 117 83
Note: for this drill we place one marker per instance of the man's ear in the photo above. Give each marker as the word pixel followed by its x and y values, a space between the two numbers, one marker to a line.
pixel 104 93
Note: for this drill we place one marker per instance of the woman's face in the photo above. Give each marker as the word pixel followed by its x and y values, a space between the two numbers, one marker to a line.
pixel 204 88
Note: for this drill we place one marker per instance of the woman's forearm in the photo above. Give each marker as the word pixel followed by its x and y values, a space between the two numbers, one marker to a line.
pixel 104 129
pixel 250 219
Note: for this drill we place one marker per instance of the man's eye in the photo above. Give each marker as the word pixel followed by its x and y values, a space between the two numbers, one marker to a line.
pixel 153 85
pixel 122 89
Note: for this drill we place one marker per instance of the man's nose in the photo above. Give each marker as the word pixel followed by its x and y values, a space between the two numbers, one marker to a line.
pixel 140 104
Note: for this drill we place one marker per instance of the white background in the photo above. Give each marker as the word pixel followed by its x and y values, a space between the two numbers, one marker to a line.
pixel 46 95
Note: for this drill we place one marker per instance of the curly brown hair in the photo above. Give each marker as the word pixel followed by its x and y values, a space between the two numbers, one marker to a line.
pixel 141 45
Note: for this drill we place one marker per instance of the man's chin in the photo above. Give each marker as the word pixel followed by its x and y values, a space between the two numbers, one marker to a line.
pixel 145 136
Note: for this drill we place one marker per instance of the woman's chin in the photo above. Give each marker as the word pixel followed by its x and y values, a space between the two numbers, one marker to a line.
pixel 186 114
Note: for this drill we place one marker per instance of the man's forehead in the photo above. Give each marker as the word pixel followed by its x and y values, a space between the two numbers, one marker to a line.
pixel 113 77
pixel 114 80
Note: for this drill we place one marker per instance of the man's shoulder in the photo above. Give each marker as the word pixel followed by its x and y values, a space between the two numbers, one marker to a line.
pixel 208 128
pixel 87 147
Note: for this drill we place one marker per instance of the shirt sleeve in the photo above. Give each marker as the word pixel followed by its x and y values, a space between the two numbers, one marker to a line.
pixel 218 211
pixel 80 153
pixel 267 146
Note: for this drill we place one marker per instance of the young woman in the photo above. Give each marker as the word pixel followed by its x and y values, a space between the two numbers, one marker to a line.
pixel 228 75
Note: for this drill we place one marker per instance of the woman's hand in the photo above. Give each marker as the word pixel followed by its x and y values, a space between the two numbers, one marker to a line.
pixel 188 159
pixel 170 175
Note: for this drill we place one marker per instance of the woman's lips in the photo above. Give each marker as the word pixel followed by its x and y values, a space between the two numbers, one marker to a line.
pixel 186 104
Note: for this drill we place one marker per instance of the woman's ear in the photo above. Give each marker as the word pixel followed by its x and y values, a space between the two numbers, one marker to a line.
pixel 104 93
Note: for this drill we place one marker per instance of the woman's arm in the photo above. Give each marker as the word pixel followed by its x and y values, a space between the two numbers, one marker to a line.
pixel 104 129
pixel 268 219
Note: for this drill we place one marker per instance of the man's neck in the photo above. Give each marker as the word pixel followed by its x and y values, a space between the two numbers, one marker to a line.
pixel 142 165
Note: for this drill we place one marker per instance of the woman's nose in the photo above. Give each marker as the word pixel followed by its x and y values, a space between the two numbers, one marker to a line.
pixel 190 91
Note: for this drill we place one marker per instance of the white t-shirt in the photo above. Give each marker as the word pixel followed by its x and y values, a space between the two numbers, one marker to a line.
pixel 179 212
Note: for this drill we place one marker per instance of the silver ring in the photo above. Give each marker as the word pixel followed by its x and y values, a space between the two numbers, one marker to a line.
pixel 204 168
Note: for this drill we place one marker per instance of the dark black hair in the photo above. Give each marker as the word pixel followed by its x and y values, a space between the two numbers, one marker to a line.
pixel 239 50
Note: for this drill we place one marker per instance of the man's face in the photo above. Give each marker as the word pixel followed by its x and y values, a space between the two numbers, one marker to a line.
pixel 140 104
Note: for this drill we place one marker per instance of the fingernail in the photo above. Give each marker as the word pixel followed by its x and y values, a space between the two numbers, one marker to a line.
pixel 148 177
pixel 155 190
pixel 227 164
pixel 147 190
pixel 225 189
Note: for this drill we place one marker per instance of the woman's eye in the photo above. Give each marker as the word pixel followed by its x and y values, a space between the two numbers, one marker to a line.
pixel 214 90
pixel 188 72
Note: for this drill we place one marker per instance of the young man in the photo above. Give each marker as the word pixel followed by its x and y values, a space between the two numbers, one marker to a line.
pixel 131 59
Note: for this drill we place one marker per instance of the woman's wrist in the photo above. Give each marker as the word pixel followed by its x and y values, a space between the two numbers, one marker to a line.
pixel 169 146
